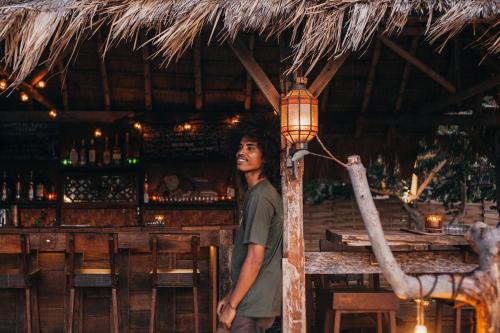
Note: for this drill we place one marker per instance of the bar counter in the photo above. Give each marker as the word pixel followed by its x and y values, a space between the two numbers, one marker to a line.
pixel 48 246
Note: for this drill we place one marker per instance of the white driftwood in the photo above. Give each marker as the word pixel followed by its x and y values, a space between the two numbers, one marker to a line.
pixel 480 289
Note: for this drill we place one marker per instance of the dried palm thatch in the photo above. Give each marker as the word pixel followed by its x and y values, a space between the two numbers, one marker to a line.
pixel 321 28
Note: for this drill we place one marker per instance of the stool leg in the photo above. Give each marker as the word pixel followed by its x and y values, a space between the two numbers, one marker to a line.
pixel 71 310
pixel 439 317
pixel 152 316
pixel 336 324
pixel 80 310
pixel 379 322
pixel 392 319
pixel 196 315
pixel 458 320
pixel 27 306
pixel 114 300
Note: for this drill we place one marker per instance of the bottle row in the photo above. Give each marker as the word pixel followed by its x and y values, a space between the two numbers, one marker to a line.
pixel 99 155
pixel 34 190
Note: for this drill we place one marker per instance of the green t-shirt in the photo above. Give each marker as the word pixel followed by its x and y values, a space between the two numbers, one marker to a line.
pixel 261 223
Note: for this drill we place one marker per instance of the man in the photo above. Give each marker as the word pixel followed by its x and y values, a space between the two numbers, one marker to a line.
pixel 255 298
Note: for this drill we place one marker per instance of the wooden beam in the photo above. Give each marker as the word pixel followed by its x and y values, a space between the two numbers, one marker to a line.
pixel 461 96
pixel 248 82
pixel 418 64
pixel 64 85
pixel 253 68
pixel 32 92
pixel 198 86
pixel 148 91
pixel 104 73
pixel 327 73
pixel 369 85
pixel 66 117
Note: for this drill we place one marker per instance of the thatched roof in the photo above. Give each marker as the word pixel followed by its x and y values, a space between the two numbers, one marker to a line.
pixel 39 30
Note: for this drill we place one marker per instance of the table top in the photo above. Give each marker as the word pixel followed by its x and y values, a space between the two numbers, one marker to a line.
pixel 395 238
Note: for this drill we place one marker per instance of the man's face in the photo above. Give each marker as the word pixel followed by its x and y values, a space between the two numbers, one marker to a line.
pixel 249 156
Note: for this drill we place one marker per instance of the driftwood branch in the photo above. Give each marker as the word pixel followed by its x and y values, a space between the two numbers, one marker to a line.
pixel 480 288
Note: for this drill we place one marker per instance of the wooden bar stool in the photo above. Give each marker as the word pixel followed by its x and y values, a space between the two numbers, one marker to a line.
pixel 21 277
pixel 362 301
pixel 172 245
pixel 85 274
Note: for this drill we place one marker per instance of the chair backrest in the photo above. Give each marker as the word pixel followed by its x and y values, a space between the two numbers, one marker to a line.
pixel 173 245
pixel 92 244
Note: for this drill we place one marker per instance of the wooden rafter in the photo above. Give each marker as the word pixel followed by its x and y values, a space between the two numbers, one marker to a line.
pixel 64 85
pixel 148 91
pixel 326 74
pixel 258 75
pixel 248 81
pixel 418 64
pixel 461 96
pixel 198 85
pixel 369 85
pixel 104 72
pixel 72 116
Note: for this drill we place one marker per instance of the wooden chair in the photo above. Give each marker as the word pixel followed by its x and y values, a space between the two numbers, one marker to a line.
pixel 82 275
pixel 172 245
pixel 21 277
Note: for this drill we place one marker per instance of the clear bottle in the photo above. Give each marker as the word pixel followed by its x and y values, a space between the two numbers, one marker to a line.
pixel 146 189
pixel 31 190
pixel 92 153
pixel 18 188
pixel 40 190
pixel 83 154
pixel 4 187
pixel 73 155
pixel 106 154
pixel 117 152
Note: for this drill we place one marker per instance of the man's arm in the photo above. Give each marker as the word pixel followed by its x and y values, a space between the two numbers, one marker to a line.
pixel 248 275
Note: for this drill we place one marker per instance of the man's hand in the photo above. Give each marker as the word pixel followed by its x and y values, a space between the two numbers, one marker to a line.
pixel 222 304
pixel 227 316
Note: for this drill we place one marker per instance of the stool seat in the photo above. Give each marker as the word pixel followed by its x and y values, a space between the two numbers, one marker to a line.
pixel 174 277
pixel 14 278
pixel 94 277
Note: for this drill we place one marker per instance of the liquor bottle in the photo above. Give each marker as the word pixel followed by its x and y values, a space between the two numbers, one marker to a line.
pixel 117 152
pixel 18 188
pixel 92 153
pixel 83 154
pixel 40 190
pixel 106 154
pixel 4 187
pixel 31 190
pixel 127 157
pixel 73 156
pixel 146 189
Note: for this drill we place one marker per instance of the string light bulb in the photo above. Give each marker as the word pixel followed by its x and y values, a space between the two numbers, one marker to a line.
pixel 138 126
pixel 97 133
pixel 3 84
pixel 53 114
pixel 187 126
pixel 41 84
pixel 24 97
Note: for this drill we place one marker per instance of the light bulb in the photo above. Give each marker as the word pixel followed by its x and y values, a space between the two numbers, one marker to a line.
pixel 420 329
pixel 187 126
pixel 24 97
pixel 53 114
pixel 3 84
pixel 97 133
pixel 138 126
pixel 41 84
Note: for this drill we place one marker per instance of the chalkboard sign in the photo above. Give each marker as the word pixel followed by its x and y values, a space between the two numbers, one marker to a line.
pixel 170 141
pixel 28 141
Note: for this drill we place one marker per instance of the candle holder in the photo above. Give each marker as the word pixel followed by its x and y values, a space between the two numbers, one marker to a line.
pixel 434 223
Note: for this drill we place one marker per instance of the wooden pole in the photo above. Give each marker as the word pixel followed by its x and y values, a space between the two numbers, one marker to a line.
pixel 198 86
pixel 418 64
pixel 148 90
pixel 369 86
pixel 248 82
pixel 294 314
pixel 64 85
pixel 327 73
pixel 104 72
pixel 497 167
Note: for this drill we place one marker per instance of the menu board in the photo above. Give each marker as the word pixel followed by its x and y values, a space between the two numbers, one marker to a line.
pixel 169 142
pixel 28 141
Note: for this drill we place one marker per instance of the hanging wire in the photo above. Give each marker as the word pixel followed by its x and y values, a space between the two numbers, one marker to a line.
pixel 332 157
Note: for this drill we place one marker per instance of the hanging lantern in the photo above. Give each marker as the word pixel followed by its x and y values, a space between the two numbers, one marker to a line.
pixel 299 114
